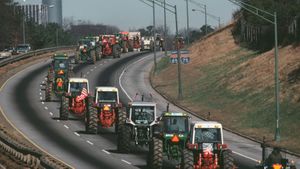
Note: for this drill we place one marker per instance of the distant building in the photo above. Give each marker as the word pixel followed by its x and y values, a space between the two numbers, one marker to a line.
pixel 42 11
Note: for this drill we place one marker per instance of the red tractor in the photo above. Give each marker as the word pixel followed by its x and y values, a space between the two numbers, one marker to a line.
pixel 206 149
pixel 76 99
pixel 110 46
pixel 105 111
pixel 135 41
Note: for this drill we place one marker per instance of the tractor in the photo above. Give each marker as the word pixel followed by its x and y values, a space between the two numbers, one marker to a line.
pixel 123 41
pixel 134 41
pixel 138 127
pixel 147 43
pixel 106 110
pixel 159 42
pixel 76 99
pixel 58 73
pixel 170 138
pixel 88 51
pixel 110 46
pixel 206 149
pixel 274 160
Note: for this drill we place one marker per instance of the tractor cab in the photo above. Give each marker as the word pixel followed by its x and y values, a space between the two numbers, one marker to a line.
pixel 138 127
pixel 77 85
pixel 87 50
pixel 206 147
pixel 170 138
pixel 110 46
pixel 107 95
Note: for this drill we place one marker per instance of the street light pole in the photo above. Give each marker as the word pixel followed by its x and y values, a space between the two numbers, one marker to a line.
pixel 24 36
pixel 187 23
pixel 178 57
pixel 154 36
pixel 165 27
pixel 205 12
pixel 256 11
pixel 277 92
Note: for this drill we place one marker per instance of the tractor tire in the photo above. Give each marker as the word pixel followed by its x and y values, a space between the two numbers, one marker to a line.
pixel 116 51
pixel 227 160
pixel 77 58
pixel 93 55
pixel 48 92
pixel 121 119
pixel 64 108
pixel 124 133
pixel 91 124
pixel 98 53
pixel 187 160
pixel 155 156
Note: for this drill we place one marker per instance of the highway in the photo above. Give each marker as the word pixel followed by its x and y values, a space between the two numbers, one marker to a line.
pixel 22 100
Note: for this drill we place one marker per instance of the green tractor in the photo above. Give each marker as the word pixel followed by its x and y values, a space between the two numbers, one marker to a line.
pixel 138 128
pixel 58 73
pixel 88 51
pixel 170 138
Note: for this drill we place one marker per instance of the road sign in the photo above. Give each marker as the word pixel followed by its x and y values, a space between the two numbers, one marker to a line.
pixel 184 57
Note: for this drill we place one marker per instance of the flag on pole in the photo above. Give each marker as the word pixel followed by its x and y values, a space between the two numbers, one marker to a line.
pixel 83 95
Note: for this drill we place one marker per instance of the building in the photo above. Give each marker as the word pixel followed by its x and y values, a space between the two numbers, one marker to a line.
pixel 42 11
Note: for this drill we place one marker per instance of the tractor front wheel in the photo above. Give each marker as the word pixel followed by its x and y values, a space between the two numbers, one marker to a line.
pixel 48 92
pixel 124 133
pixel 155 156
pixel 64 108
pixel 227 160
pixel 187 160
pixel 116 51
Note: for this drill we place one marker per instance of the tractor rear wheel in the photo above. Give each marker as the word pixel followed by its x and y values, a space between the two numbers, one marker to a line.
pixel 93 56
pixel 91 118
pixel 48 92
pixel 64 108
pixel 187 160
pixel 121 119
pixel 124 133
pixel 116 51
pixel 227 160
pixel 155 156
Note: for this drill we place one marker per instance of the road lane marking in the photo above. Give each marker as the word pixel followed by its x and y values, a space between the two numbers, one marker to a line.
pixel 41 98
pixel 95 67
pixel 87 73
pixel 126 161
pixel 40 93
pixel 43 102
pixel 51 114
pixel 242 155
pixel 77 134
pixel 90 142
pixel 106 151
pixel 58 120
pixel 46 108
pixel 67 127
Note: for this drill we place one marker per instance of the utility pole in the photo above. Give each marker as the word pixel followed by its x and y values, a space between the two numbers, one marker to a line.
pixel 187 23
pixel 205 11
pixel 154 36
pixel 178 57
pixel 24 36
pixel 165 27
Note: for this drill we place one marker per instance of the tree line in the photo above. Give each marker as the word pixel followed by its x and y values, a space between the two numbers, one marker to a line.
pixel 256 33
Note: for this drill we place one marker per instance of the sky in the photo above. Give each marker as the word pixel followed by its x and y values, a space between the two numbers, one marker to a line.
pixel 134 14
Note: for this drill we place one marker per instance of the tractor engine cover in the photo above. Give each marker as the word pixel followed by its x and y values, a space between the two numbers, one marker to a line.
pixel 78 107
pixel 107 118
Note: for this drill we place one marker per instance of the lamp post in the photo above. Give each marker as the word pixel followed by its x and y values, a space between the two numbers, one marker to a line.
pixel 262 14
pixel 187 23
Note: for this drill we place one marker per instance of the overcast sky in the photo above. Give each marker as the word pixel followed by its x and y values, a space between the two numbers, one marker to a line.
pixel 134 14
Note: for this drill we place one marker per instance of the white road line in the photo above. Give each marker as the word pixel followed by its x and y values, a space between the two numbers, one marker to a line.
pixel 43 82
pixel 120 83
pixel 120 77
pixel 46 78
pixel 43 102
pixel 106 151
pixel 87 73
pixel 90 142
pixel 41 85
pixel 40 93
pixel 242 155
pixel 126 162
pixel 41 98
pixel 51 114
pixel 67 127
pixel 58 120
pixel 91 70
pixel 95 67
pixel 77 134
pixel 46 108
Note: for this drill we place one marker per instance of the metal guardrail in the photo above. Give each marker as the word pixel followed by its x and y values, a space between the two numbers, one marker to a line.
pixel 17 58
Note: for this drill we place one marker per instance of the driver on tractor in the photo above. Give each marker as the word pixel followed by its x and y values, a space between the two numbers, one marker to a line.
pixel 274 158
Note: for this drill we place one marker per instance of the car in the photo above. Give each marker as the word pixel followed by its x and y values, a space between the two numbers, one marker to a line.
pixel 23 48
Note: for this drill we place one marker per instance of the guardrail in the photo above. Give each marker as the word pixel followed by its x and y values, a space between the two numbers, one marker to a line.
pixel 17 58
pixel 29 157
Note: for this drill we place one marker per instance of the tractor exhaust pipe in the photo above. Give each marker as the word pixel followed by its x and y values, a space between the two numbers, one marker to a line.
pixel 168 105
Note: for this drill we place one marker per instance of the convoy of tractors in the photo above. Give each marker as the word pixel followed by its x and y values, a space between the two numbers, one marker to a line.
pixel 191 145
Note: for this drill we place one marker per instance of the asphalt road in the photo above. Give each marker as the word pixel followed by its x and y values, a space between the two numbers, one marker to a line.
pixel 22 101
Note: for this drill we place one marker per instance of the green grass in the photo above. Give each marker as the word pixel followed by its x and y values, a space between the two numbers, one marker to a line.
pixel 162 64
